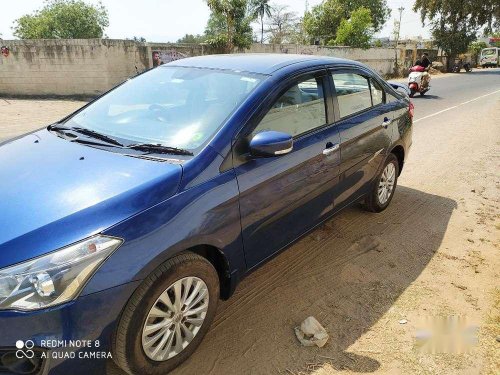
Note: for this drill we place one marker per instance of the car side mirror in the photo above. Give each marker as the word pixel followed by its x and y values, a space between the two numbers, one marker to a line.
pixel 271 143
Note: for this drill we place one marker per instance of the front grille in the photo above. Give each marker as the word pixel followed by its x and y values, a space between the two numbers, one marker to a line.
pixel 12 365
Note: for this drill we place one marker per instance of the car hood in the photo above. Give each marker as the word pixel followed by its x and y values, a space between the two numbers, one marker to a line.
pixel 54 192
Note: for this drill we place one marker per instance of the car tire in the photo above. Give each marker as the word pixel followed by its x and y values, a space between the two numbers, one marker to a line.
pixel 132 348
pixel 375 202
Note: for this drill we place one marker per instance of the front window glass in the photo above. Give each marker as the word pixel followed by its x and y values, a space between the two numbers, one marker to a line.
pixel 171 106
pixel 300 109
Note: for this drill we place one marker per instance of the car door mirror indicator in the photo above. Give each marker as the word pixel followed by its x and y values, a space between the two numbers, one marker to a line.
pixel 271 143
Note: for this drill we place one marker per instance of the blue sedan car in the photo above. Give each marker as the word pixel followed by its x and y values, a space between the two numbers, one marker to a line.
pixel 123 224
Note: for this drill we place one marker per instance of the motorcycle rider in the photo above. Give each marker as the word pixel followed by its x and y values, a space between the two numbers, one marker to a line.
pixel 426 64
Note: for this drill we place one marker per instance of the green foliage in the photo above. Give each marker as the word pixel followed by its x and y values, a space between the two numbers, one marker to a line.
pixel 378 43
pixel 260 9
pixel 454 23
pixel 357 31
pixel 71 19
pixel 475 13
pixel 476 47
pixel 324 19
pixel 229 25
pixel 192 39
pixel 453 40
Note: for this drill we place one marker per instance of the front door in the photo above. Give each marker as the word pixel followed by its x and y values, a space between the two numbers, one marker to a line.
pixel 281 197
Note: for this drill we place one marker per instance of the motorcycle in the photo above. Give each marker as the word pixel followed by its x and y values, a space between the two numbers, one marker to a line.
pixel 416 82
pixel 459 65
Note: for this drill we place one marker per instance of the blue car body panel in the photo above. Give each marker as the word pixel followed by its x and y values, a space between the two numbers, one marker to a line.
pixel 55 192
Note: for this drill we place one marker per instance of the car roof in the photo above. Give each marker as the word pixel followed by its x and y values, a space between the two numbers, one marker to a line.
pixel 262 63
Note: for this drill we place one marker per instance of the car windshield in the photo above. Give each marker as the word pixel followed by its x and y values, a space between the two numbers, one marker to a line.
pixel 489 52
pixel 170 106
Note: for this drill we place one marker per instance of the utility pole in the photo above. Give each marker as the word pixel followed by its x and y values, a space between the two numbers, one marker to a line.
pixel 397 28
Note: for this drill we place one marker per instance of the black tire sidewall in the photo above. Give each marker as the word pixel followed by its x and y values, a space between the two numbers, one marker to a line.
pixel 137 361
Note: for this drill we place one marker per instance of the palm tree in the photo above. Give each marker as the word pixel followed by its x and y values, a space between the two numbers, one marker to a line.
pixel 261 8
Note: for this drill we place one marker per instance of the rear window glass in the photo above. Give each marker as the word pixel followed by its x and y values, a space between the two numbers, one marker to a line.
pixel 377 92
pixel 353 93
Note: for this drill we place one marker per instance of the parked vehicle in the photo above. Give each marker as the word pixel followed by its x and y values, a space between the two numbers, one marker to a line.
pixel 490 57
pixel 459 65
pixel 418 80
pixel 126 221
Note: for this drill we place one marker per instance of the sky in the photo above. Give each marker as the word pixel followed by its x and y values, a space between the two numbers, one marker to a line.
pixel 168 20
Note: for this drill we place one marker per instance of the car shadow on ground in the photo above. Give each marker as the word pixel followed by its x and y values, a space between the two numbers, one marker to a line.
pixel 348 273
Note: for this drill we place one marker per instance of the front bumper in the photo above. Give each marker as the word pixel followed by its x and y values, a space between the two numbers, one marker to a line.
pixel 75 337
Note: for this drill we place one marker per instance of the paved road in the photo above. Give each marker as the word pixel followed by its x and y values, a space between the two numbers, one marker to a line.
pixel 452 90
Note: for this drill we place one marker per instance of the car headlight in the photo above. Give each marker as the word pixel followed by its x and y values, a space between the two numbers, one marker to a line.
pixel 53 278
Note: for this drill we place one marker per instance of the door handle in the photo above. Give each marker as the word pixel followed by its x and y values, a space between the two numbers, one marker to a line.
pixel 331 149
pixel 386 122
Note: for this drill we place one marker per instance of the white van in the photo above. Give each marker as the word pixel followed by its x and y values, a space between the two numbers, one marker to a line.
pixel 490 57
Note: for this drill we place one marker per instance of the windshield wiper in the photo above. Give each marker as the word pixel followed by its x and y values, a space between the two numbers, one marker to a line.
pixel 97 135
pixel 87 132
pixel 159 149
pixel 148 147
pixel 58 127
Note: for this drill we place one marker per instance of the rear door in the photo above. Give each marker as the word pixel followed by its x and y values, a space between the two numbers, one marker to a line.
pixel 281 197
pixel 365 123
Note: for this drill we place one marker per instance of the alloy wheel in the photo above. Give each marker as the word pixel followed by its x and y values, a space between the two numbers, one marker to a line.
pixel 386 184
pixel 175 318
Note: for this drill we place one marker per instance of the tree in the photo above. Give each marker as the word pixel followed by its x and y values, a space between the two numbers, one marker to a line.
pixel 260 9
pixel 229 25
pixel 190 38
pixel 139 39
pixel 475 49
pixel 357 31
pixel 322 22
pixel 71 19
pixel 454 23
pixel 282 25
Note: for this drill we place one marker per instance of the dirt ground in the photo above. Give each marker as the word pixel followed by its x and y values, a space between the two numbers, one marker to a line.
pixel 20 116
pixel 369 278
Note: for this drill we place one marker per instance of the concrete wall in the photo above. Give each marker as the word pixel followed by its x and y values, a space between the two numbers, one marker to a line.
pixel 76 67
pixel 379 59
pixel 88 67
